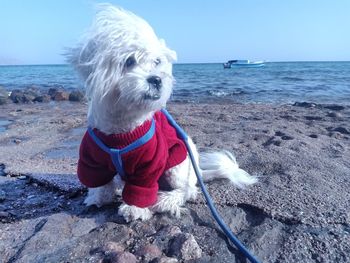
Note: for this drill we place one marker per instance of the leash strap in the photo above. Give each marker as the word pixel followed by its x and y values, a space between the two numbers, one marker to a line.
pixel 219 220
pixel 116 154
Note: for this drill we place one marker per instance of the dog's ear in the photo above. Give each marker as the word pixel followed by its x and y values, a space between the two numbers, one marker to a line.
pixel 170 54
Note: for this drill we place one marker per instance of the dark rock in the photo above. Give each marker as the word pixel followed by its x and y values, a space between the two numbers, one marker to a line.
pixel 23 96
pixel 17 96
pixel 3 96
pixel 61 95
pixel 334 107
pixel 112 248
pixel 334 114
pixel 165 260
pixel 149 252
pixel 305 104
pixel 185 246
pixel 76 95
pixel 2 195
pixel 52 92
pixel 342 130
pixel 4 214
pixel 2 169
pixel 43 98
pixel 124 257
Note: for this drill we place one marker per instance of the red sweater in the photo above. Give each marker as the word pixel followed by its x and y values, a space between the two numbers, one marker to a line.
pixel 143 166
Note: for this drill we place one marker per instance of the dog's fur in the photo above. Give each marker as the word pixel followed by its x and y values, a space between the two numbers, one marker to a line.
pixel 115 58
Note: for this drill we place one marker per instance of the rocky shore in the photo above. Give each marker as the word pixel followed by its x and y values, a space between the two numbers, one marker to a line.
pixel 298 212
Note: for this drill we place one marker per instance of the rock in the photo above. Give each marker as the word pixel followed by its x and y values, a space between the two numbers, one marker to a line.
pixel 124 257
pixel 24 96
pixel 2 195
pixel 113 248
pixel 43 98
pixel 4 214
pixel 305 104
pixel 334 114
pixel 3 96
pixel 17 96
pixel 342 130
pixel 61 95
pixel 185 246
pixel 76 95
pixel 334 107
pixel 149 252
pixel 165 260
pixel 52 92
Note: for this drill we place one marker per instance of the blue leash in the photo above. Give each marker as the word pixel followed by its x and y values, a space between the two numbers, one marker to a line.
pixel 181 133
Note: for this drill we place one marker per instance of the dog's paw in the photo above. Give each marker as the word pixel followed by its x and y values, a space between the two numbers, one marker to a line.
pixel 131 213
pixel 174 210
pixel 99 196
pixel 92 200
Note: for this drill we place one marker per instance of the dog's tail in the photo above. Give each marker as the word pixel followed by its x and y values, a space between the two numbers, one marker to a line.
pixel 223 164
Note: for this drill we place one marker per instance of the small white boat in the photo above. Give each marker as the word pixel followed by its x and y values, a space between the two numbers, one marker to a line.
pixel 244 63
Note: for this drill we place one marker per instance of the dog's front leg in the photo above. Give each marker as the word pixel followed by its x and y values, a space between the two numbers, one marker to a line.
pixel 105 194
pixel 131 212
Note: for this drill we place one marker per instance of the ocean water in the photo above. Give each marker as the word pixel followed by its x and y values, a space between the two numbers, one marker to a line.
pixel 276 83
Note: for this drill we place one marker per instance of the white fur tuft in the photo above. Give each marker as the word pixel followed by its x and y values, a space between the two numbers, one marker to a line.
pixel 223 164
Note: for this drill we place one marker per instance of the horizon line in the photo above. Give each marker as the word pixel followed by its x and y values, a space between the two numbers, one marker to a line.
pixel 183 63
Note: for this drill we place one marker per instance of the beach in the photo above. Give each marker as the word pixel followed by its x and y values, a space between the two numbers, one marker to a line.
pixel 299 211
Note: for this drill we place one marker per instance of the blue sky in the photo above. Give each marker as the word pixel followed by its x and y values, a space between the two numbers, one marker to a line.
pixel 36 31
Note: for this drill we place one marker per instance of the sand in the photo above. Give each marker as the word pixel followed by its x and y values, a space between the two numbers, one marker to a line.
pixel 298 212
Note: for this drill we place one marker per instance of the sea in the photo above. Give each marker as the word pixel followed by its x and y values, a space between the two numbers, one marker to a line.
pixel 276 83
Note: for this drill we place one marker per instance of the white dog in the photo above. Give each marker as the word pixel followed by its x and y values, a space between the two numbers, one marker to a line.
pixel 127 72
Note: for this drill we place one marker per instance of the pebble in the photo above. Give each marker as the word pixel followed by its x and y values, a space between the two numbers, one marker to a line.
pixel 22 177
pixel 149 252
pixel 124 257
pixel 186 247
pixel 113 247
pixel 165 260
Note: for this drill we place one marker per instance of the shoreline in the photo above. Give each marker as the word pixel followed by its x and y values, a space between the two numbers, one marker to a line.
pixel 298 212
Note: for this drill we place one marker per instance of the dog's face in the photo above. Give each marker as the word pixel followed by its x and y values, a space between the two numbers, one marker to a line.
pixel 127 70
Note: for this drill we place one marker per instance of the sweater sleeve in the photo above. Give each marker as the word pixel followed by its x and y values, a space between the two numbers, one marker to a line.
pixel 93 165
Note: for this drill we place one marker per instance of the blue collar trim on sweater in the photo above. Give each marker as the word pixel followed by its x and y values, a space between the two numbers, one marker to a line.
pixel 116 153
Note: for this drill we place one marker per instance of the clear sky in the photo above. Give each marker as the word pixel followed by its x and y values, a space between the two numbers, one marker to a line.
pixel 36 31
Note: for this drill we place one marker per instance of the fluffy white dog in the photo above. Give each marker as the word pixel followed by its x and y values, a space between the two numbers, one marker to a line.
pixel 127 72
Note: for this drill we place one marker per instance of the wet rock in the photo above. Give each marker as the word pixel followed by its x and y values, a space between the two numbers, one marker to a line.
pixel 4 214
pixel 342 130
pixel 2 195
pixel 61 95
pixel 334 107
pixel 17 96
pixel 185 246
pixel 76 96
pixel 24 96
pixel 52 92
pixel 2 169
pixel 149 252
pixel 3 96
pixel 335 115
pixel 305 104
pixel 43 98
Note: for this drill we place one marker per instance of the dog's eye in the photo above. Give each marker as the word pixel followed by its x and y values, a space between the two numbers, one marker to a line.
pixel 131 61
pixel 157 61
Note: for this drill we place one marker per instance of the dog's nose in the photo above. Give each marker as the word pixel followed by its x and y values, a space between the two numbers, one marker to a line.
pixel 155 81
